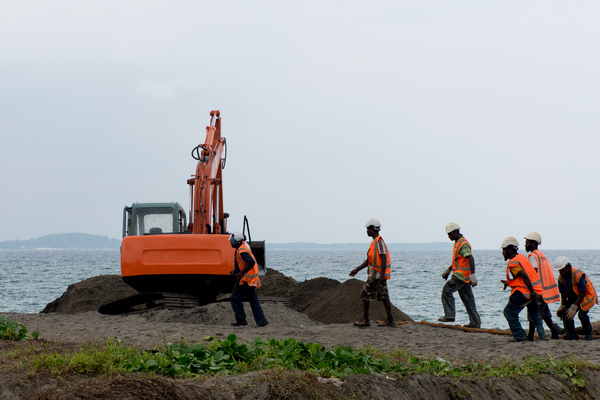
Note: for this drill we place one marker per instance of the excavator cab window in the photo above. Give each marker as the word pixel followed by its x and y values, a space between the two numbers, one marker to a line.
pixel 153 219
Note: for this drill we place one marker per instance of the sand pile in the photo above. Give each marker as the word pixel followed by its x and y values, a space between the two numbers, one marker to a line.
pixel 90 294
pixel 322 300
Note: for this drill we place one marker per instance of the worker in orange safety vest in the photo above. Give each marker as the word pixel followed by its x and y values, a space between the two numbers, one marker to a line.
pixel 550 295
pixel 463 277
pixel 577 295
pixel 379 263
pixel 526 290
pixel 246 282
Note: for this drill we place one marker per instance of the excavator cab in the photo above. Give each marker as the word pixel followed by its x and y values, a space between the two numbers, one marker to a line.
pixel 153 218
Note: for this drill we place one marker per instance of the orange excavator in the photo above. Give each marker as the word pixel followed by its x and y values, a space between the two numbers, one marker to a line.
pixel 185 264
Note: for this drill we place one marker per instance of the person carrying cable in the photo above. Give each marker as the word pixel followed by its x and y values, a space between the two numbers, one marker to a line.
pixel 577 294
pixel 375 287
pixel 246 282
pixel 526 290
pixel 463 277
pixel 542 266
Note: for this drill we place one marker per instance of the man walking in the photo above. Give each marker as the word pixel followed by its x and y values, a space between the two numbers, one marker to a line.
pixel 463 277
pixel 526 287
pixel 542 266
pixel 379 263
pixel 246 282
pixel 577 294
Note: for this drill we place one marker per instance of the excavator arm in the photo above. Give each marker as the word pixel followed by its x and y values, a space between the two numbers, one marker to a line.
pixel 206 186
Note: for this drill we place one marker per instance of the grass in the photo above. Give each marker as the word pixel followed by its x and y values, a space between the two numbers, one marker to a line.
pixel 229 357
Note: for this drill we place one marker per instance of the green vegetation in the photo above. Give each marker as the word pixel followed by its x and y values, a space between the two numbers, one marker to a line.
pixel 11 330
pixel 228 357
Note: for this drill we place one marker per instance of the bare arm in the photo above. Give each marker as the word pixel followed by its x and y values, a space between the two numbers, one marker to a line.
pixel 361 266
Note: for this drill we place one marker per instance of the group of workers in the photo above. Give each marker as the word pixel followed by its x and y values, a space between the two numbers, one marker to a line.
pixel 531 279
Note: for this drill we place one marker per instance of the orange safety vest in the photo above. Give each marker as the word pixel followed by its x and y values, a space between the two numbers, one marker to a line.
pixel 460 264
pixel 591 297
pixel 518 284
pixel 374 259
pixel 549 284
pixel 250 277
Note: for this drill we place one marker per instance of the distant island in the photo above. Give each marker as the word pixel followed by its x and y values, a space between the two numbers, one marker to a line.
pixel 64 241
pixel 88 241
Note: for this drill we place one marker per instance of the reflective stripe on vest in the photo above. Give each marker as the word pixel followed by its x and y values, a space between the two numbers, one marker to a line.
pixel 460 264
pixel 590 293
pixel 549 285
pixel 518 284
pixel 374 258
pixel 250 277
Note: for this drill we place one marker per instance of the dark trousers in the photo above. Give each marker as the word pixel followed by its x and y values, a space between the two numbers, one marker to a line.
pixel 241 292
pixel 570 323
pixel 516 303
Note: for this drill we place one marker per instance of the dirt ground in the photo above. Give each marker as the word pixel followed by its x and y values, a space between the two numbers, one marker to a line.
pixel 320 310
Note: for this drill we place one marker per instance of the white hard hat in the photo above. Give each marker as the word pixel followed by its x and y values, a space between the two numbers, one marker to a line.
pixel 452 226
pixel 373 222
pixel 510 241
pixel 561 262
pixel 236 237
pixel 534 236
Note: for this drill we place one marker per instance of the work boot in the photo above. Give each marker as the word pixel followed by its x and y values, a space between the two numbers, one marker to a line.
pixel 362 323
pixel 263 323
pixel 517 340
pixel 531 332
pixel 589 336
pixel 444 319
pixel 387 323
pixel 471 325
pixel 559 329
pixel 242 322
pixel 555 334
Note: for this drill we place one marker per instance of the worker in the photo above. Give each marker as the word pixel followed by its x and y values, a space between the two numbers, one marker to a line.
pixel 526 289
pixel 551 295
pixel 246 282
pixel 379 266
pixel 577 294
pixel 463 277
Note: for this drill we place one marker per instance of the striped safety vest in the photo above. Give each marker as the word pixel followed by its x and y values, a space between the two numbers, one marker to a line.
pixel 460 264
pixel 549 284
pixel 591 297
pixel 374 259
pixel 518 284
pixel 250 277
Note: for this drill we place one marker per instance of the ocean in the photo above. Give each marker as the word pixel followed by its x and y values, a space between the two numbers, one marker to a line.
pixel 30 279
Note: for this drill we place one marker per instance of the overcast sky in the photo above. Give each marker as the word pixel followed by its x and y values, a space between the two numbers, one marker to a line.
pixel 414 112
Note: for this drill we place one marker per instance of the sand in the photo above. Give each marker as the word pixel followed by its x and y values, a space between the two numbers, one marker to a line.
pixel 319 310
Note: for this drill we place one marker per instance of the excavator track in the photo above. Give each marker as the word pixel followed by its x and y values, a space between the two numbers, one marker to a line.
pixel 131 304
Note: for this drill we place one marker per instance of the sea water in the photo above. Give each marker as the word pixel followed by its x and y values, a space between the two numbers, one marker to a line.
pixel 30 279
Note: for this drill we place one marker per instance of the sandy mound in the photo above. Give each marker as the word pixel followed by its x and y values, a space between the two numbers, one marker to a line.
pixel 321 299
pixel 221 314
pixel 90 294
pixel 275 284
pixel 340 304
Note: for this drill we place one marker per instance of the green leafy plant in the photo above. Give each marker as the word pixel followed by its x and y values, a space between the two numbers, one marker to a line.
pixel 217 356
pixel 11 330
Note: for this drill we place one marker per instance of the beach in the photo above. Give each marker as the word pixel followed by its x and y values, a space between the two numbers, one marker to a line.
pixel 319 310
pixel 452 345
